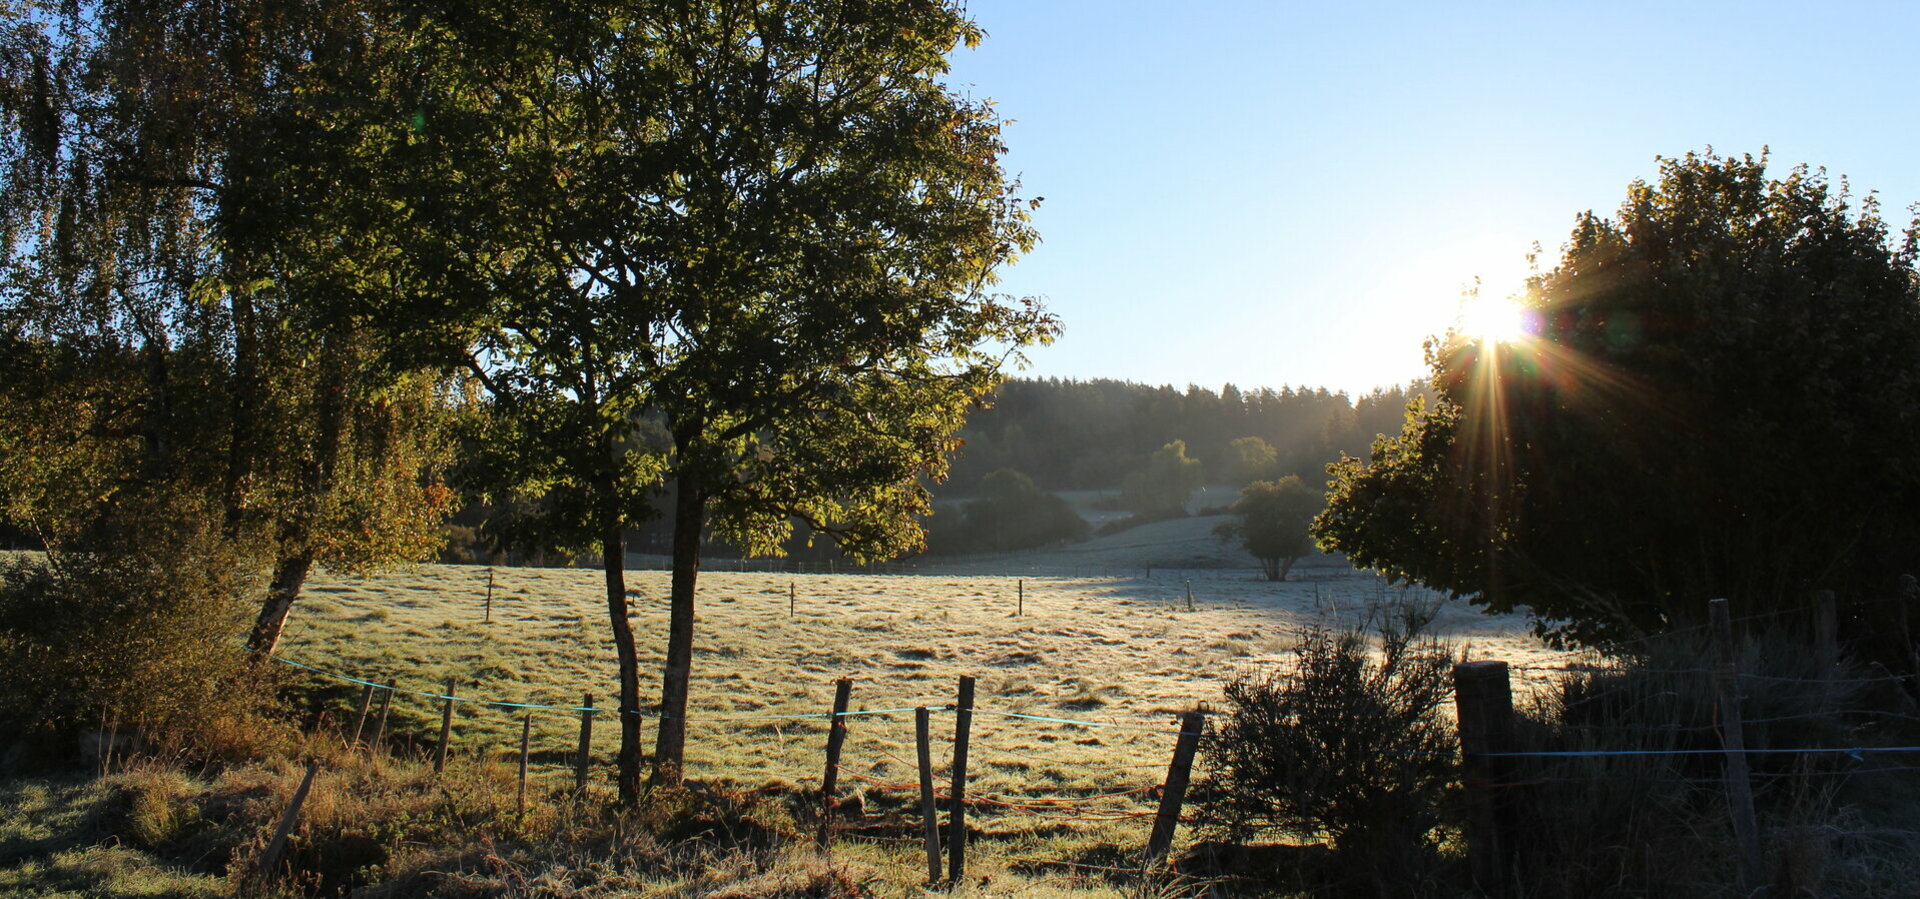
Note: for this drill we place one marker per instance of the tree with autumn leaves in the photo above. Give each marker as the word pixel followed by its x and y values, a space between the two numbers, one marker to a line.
pixel 728 260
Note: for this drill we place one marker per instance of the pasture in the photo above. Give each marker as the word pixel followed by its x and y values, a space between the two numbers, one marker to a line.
pixel 1110 661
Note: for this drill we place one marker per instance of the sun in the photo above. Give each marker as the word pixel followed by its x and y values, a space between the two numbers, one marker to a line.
pixel 1492 319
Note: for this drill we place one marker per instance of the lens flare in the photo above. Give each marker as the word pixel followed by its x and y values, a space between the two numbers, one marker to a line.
pixel 1491 319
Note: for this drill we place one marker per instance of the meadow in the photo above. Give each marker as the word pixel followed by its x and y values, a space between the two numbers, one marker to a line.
pixel 1100 665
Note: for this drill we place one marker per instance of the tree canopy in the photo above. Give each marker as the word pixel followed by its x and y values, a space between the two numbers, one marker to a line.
pixel 742 251
pixel 1718 402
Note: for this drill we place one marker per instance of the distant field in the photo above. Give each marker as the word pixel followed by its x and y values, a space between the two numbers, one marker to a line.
pixel 1105 651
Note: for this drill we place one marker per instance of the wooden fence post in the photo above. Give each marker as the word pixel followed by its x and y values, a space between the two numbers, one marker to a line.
pixel 1020 610
pixel 1189 596
pixel 380 727
pixel 526 737
pixel 446 730
pixel 957 829
pixel 790 599
pixel 489 594
pixel 836 738
pixel 1174 792
pixel 922 735
pixel 360 720
pixel 586 743
pixel 1483 698
pixel 270 859
pixel 1726 682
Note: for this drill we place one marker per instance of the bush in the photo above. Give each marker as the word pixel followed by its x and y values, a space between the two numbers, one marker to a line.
pixel 139 630
pixel 1011 513
pixel 1647 824
pixel 1344 744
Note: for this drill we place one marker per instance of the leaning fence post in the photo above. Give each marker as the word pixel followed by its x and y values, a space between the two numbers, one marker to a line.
pixel 270 859
pixel 922 735
pixel 360 720
pixel 446 730
pixel 836 738
pixel 1726 682
pixel 489 594
pixel 586 743
pixel 380 727
pixel 1483 699
pixel 957 829
pixel 1174 792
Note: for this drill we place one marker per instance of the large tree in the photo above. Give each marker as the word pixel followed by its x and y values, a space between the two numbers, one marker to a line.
pixel 1718 402
pixel 185 254
pixel 739 250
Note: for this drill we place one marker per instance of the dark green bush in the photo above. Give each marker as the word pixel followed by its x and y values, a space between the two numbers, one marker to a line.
pixel 1011 513
pixel 1348 744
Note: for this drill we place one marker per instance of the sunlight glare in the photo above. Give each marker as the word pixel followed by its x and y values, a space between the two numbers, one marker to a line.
pixel 1495 319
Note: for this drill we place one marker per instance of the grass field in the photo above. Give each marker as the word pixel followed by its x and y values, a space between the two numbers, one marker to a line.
pixel 1117 657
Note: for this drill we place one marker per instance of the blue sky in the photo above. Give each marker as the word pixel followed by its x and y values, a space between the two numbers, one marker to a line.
pixel 1271 194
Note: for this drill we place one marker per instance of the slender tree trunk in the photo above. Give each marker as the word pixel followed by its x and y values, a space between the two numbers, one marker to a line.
pixel 613 559
pixel 288 577
pixel 295 539
pixel 689 518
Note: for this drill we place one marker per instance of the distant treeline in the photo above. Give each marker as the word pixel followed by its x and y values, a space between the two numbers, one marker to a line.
pixel 1076 435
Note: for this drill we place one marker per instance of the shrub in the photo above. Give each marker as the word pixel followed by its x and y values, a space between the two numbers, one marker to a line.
pixel 140 629
pixel 1345 744
pixel 1011 513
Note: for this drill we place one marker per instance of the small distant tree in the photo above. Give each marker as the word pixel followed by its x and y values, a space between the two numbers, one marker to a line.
pixel 1162 488
pixel 1271 520
pixel 1251 459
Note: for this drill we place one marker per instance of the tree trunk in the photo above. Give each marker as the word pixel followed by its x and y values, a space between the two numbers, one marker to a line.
pixel 289 575
pixel 689 518
pixel 613 558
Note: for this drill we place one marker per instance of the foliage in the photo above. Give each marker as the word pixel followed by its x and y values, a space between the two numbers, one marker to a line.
pixel 1163 486
pixel 135 630
pixel 1250 459
pixel 1718 403
pixel 1271 521
pixel 188 255
pixel 1011 513
pixel 1343 743
pixel 769 231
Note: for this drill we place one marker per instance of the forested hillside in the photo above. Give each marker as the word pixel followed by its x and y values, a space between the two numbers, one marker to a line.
pixel 1069 435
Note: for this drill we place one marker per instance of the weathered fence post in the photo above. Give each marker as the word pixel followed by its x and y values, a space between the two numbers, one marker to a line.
pixel 1726 682
pixel 380 727
pixel 1020 610
pixel 790 599
pixel 526 737
pixel 1189 596
pixel 360 720
pixel 489 594
pixel 922 735
pixel 270 858
pixel 446 730
pixel 1174 792
pixel 957 828
pixel 586 744
pixel 836 738
pixel 1483 697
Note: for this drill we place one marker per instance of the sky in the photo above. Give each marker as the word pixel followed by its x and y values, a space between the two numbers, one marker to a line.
pixel 1273 194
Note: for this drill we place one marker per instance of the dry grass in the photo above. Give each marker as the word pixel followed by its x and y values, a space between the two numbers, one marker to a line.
pixel 1122 652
